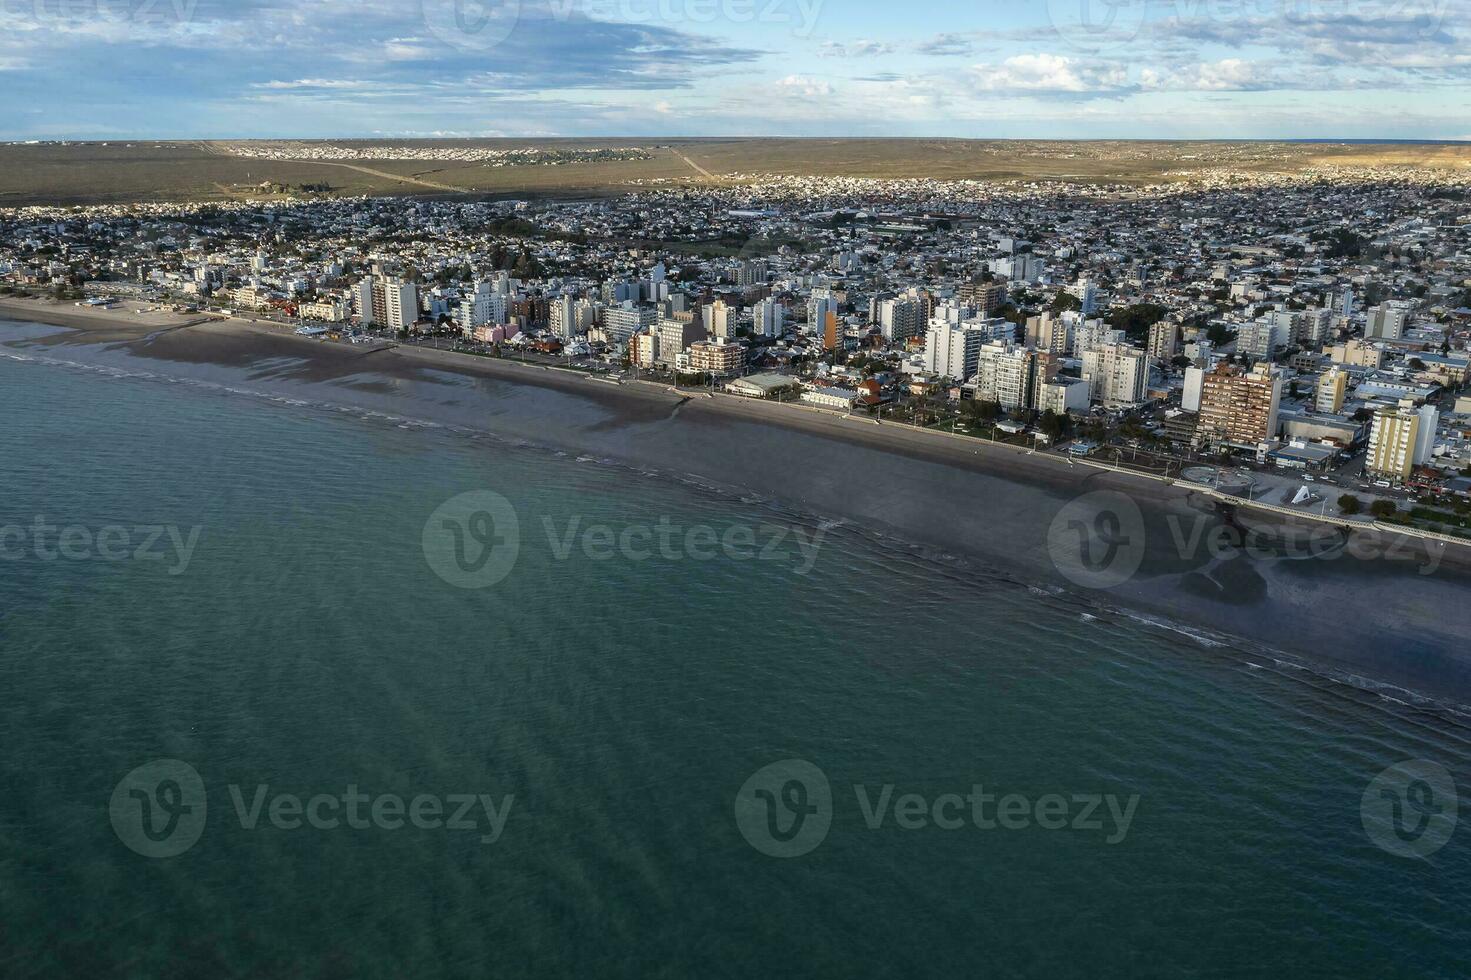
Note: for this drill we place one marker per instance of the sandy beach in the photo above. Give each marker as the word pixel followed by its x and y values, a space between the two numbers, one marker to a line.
pixel 1367 598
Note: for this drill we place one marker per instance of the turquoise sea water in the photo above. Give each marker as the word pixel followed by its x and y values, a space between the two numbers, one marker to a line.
pixel 308 645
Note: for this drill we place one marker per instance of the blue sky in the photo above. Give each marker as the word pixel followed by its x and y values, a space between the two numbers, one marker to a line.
pixel 101 69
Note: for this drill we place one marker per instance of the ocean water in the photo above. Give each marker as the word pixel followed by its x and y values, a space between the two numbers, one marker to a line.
pixel 276 606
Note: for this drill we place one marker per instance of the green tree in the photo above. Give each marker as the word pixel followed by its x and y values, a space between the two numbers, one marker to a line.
pixel 1137 319
pixel 1064 302
pixel 1383 508
pixel 1055 426
pixel 1349 504
pixel 981 411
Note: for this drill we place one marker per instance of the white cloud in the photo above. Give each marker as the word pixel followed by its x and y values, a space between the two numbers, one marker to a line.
pixel 1228 75
pixel 304 83
pixel 1054 73
pixel 804 86
pixel 854 49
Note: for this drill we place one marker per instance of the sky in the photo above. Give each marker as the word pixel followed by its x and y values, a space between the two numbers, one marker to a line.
pixel 1051 69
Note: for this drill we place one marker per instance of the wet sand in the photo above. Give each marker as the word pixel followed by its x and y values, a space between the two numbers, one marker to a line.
pixel 1386 609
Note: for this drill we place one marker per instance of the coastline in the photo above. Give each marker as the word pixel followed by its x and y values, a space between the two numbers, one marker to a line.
pixel 1377 615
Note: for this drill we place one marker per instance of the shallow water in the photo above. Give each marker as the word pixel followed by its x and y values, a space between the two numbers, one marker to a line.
pixel 306 642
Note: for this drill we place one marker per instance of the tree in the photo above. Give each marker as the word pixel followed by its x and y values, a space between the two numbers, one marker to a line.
pixel 1383 508
pixel 1055 426
pixel 981 411
pixel 1064 302
pixel 1137 319
pixel 1343 244
pixel 1349 504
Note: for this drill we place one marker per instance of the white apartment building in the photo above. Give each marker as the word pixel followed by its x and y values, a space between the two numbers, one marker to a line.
pixel 1051 332
pixel 768 318
pixel 900 318
pixel 720 320
pixel 400 304
pixel 1062 396
pixel 1008 374
pixel 1387 321
pixel 819 305
pixel 481 307
pixel 1163 340
pixel 1261 338
pixel 1116 374
pixel 1086 294
pixel 626 319
pixel 1093 334
pixel 952 352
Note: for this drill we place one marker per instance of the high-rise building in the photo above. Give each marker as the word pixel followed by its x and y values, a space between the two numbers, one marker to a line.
pixel 1239 408
pixel 832 333
pixel 819 304
pixel 628 318
pixel 1313 328
pixel 675 335
pixel 1163 337
pixel 562 317
pixel 900 318
pixel 363 297
pixel 767 318
pixel 751 272
pixel 643 348
pixel 1051 332
pixel 720 320
pixel 952 350
pixel 985 296
pixel 1019 268
pixel 1386 321
pixel 1011 375
pixel 1261 338
pixel 400 304
pixel 482 306
pixel 1190 395
pixel 1332 387
pixel 1062 396
pixel 1357 353
pixel 1086 294
pixel 1091 334
pixel 1116 373
pixel 1401 439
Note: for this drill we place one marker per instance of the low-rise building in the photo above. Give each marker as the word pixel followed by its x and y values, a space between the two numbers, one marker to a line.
pixel 720 357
